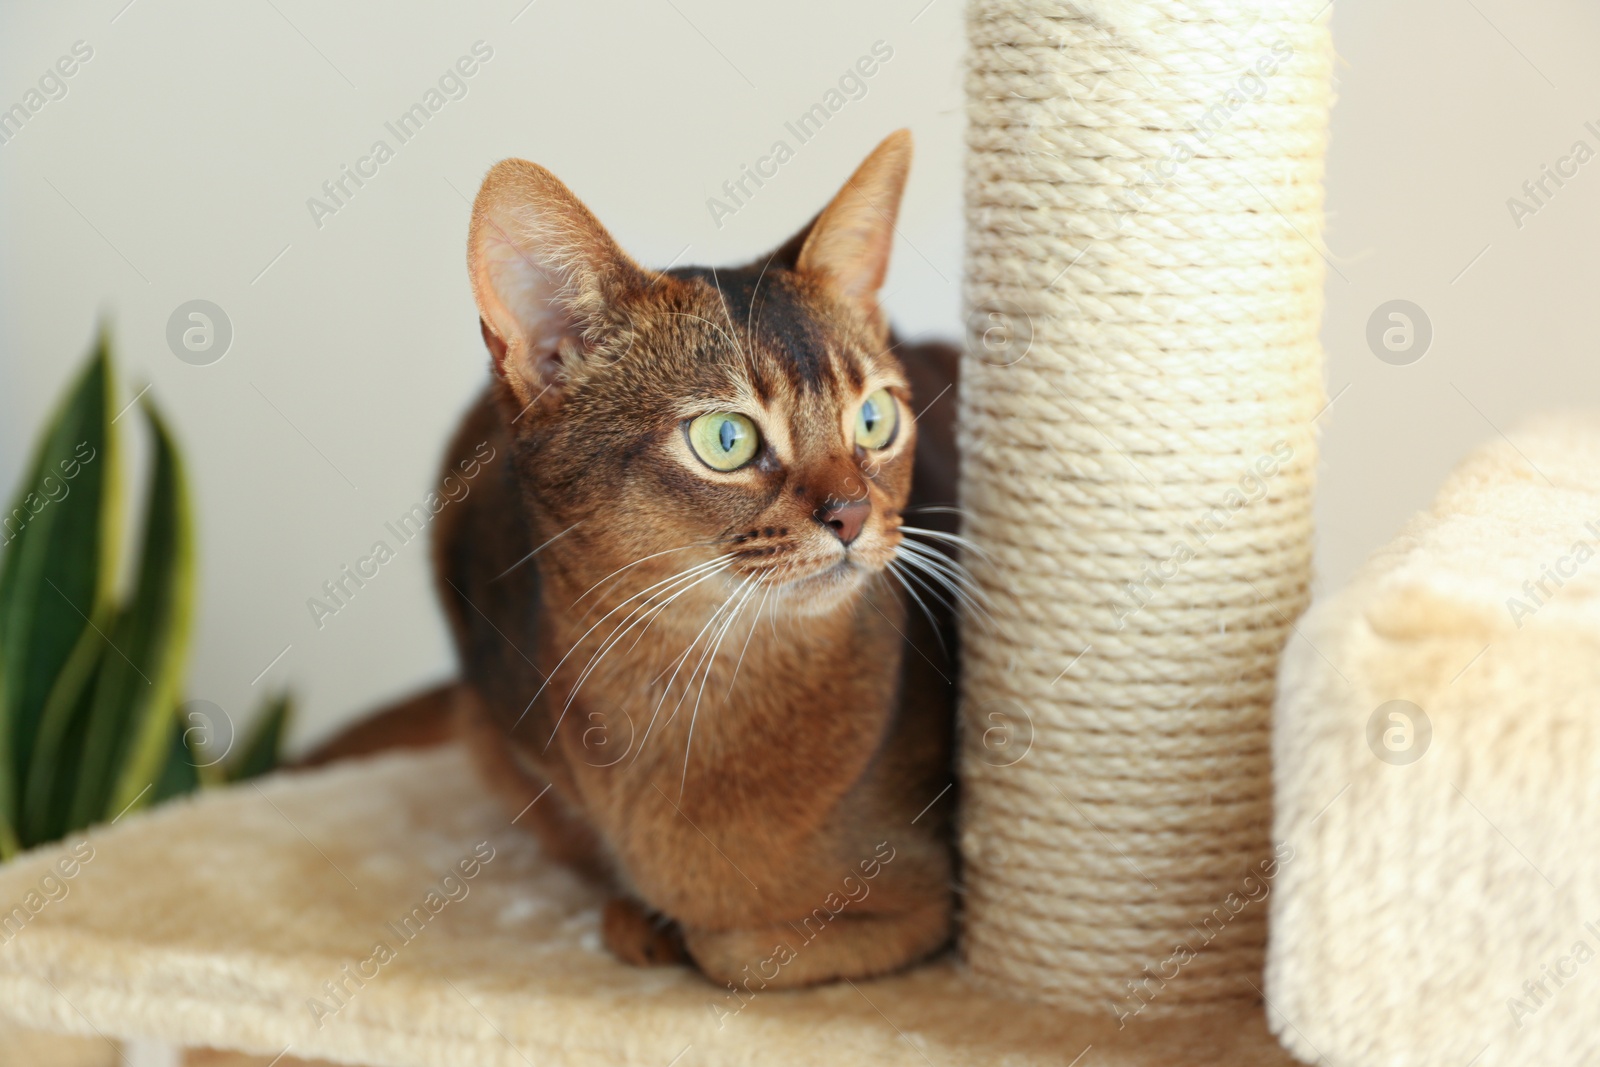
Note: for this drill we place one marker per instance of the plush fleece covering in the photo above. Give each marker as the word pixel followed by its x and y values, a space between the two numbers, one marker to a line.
pixel 1446 911
pixel 226 920
pixel 21 1047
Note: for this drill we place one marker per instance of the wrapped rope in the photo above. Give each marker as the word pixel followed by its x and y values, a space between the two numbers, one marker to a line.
pixel 1142 380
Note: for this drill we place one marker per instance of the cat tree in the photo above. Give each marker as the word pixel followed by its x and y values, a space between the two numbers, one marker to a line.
pixel 1139 400
pixel 1144 278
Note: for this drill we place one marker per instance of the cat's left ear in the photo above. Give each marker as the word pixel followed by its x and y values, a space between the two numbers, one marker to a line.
pixel 546 275
pixel 849 243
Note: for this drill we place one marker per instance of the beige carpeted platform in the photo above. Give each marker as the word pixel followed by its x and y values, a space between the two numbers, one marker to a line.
pixel 1436 748
pixel 20 1047
pixel 235 921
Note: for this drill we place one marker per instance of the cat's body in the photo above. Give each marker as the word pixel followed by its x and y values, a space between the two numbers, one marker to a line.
pixel 712 694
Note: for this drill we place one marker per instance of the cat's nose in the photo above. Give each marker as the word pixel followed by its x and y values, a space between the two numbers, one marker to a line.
pixel 844 517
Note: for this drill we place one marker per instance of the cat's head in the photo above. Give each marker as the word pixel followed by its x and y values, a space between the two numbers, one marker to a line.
pixel 752 415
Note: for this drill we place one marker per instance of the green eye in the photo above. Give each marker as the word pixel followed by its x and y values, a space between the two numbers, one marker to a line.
pixel 877 419
pixel 724 440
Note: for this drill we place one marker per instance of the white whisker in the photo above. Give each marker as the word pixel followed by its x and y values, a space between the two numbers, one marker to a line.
pixel 962 599
pixel 639 614
pixel 635 563
pixel 939 590
pixel 754 623
pixel 947 566
pixel 576 644
pixel 722 297
pixel 750 314
pixel 680 661
pixel 953 581
pixel 709 627
pixel 954 539
pixel 682 657
pixel 694 715
pixel 909 643
pixel 716 616
pixel 536 551
pixel 932 622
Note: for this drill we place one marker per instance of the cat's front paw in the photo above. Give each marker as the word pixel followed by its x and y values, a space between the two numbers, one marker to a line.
pixel 641 937
pixel 790 955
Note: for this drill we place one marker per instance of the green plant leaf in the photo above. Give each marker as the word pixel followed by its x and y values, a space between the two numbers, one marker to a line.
pixel 135 697
pixel 264 750
pixel 180 775
pixel 57 753
pixel 60 537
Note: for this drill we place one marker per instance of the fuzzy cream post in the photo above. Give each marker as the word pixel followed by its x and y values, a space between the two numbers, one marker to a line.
pixel 1435 754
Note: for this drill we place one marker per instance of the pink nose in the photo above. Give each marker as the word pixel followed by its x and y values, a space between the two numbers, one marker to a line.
pixel 845 517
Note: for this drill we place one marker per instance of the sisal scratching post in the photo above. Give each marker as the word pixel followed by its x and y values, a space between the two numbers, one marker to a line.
pixel 1142 379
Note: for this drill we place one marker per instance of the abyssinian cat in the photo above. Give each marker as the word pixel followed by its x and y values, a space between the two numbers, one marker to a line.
pixel 680 600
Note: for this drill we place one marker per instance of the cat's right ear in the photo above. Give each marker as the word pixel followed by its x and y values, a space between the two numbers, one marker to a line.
pixel 546 275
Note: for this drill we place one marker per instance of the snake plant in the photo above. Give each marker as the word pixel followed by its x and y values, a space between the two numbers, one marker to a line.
pixel 90 675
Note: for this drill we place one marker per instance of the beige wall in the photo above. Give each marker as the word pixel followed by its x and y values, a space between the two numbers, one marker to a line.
pixel 179 164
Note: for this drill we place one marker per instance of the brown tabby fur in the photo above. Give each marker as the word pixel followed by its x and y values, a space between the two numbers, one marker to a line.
pixel 778 808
